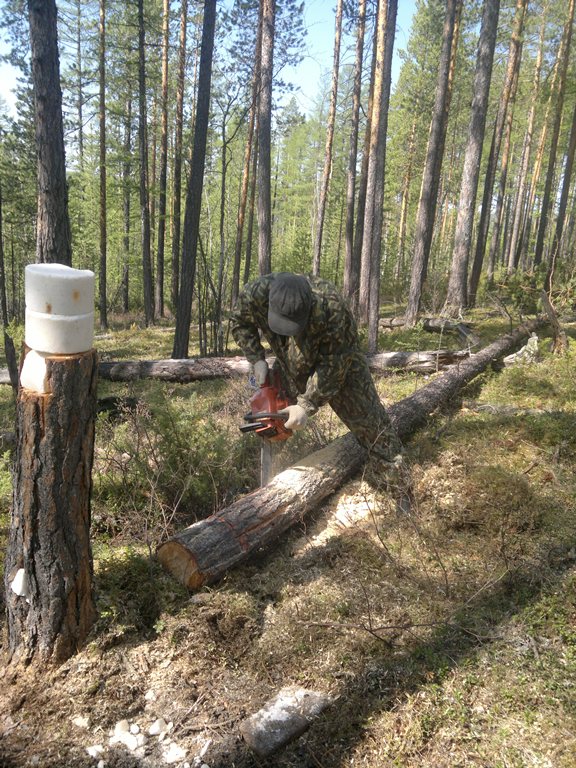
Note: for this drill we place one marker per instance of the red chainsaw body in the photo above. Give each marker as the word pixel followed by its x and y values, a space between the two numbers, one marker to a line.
pixel 265 403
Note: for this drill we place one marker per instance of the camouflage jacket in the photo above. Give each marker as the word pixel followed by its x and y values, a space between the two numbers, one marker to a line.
pixel 314 363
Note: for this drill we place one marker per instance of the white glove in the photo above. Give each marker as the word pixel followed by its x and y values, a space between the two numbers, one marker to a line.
pixel 297 417
pixel 260 372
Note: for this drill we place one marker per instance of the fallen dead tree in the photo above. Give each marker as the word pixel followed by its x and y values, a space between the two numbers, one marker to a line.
pixel 178 371
pixel 206 368
pixel 436 325
pixel 203 552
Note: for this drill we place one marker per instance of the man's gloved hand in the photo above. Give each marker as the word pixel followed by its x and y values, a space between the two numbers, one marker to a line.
pixel 297 417
pixel 260 372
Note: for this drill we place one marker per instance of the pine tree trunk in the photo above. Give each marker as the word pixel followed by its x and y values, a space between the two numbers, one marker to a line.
pixel 54 240
pixel 329 141
pixel 520 203
pixel 456 297
pixel 561 215
pixel 177 189
pixel 50 526
pixel 126 206
pixel 144 191
pixel 9 350
pixel 554 136
pixel 375 242
pixel 195 186
pixel 159 287
pixel 498 212
pixel 264 203
pixel 351 267
pixel 102 272
pixel 249 152
pixel 434 155
pixel 515 49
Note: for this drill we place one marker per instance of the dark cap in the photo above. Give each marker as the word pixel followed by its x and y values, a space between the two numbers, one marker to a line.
pixel 289 302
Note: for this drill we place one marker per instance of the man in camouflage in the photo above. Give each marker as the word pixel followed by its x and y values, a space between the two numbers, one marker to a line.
pixel 313 335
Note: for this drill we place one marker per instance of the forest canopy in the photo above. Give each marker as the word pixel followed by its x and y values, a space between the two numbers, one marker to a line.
pixel 447 186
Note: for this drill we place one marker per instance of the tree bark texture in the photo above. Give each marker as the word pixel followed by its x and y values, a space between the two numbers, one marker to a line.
pixel 144 185
pixel 50 525
pixel 377 124
pixel 264 205
pixel 208 368
pixel 203 552
pixel 54 240
pixel 159 285
pixel 177 170
pixel 433 164
pixel 514 52
pixel 249 151
pixel 102 292
pixel 195 186
pixel 554 136
pixel 519 216
pixel 326 173
pixel 456 297
pixel 562 205
pixel 351 268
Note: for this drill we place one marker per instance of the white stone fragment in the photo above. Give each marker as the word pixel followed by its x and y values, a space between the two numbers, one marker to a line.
pixel 149 695
pixel 159 727
pixel 174 753
pixel 59 334
pixel 95 751
pixel 56 289
pixel 20 583
pixel 122 726
pixel 283 718
pixel 33 374
pixel 128 735
pixel 80 721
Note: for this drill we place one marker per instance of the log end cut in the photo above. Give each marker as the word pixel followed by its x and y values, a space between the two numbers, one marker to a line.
pixel 180 563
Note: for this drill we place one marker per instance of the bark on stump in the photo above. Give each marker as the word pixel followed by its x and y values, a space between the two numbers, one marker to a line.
pixel 203 552
pixel 50 526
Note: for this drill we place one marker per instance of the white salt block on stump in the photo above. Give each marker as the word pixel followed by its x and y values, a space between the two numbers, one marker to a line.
pixel 56 289
pixel 59 309
pixel 283 718
pixel 59 334
pixel 33 375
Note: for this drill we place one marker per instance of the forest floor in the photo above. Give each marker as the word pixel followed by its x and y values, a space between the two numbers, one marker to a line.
pixel 446 634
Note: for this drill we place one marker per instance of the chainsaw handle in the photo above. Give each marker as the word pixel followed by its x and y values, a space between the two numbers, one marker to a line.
pixel 266 415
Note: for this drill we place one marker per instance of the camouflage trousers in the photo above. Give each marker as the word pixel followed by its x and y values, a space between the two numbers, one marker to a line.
pixel 358 405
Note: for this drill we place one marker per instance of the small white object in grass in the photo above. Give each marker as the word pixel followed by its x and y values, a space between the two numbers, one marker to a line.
pixel 149 695
pixel 159 727
pixel 123 734
pixel 81 721
pixel 174 753
pixel 95 751
pixel 33 373
pixel 20 583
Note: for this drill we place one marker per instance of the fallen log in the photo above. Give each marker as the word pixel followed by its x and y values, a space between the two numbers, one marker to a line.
pixel 178 371
pixel 416 362
pixel 203 552
pixel 435 325
pixel 208 368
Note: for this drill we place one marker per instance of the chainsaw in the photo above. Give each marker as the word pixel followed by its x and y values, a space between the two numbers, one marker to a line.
pixel 265 421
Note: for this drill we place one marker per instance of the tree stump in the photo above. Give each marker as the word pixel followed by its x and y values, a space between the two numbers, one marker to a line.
pixel 48 573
